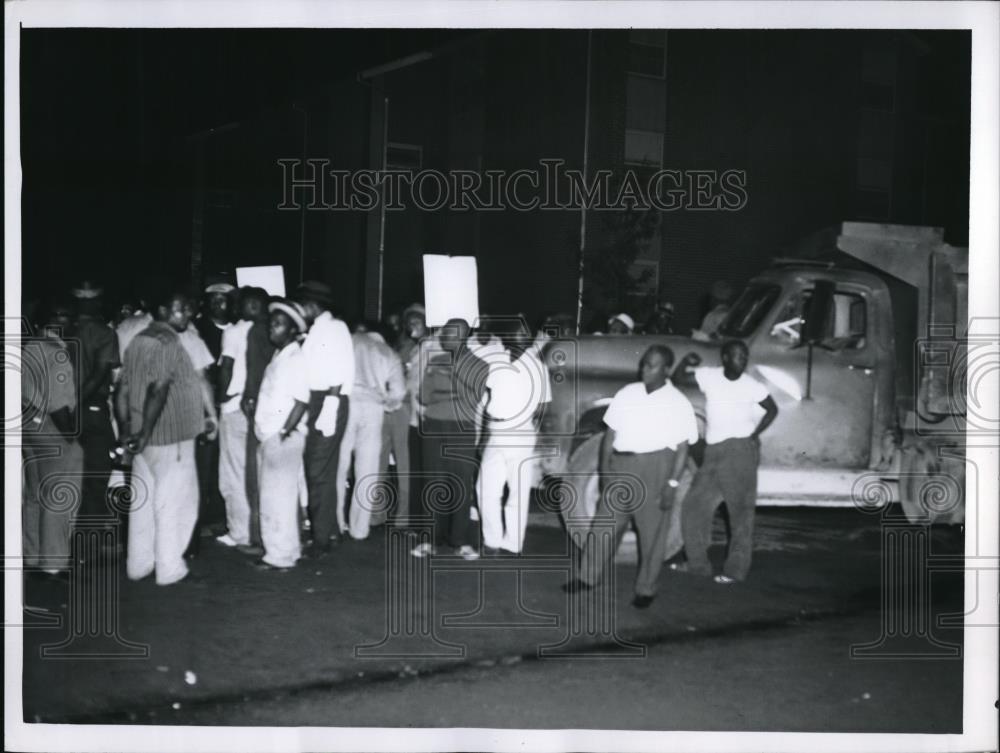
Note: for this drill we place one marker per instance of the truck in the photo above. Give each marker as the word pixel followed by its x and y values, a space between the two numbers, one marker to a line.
pixel 861 345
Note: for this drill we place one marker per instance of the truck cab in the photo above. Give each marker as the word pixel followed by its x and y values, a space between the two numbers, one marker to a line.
pixel 836 341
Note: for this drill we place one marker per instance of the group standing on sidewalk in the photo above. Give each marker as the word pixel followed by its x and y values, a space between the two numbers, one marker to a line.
pixel 311 435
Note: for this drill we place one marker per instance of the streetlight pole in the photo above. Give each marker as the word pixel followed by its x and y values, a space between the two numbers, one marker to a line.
pixel 583 203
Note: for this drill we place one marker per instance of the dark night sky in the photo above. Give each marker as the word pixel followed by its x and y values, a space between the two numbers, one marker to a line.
pixel 106 116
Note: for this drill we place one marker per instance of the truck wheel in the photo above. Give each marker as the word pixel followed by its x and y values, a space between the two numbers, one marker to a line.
pixel 931 487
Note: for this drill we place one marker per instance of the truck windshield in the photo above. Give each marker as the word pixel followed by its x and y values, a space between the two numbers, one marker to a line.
pixel 749 309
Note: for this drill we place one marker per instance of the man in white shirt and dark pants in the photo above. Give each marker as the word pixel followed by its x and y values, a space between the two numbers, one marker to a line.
pixel 518 390
pixel 738 408
pixel 329 363
pixel 234 422
pixel 650 425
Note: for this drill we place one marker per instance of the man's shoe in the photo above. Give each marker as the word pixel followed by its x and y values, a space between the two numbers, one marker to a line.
pixel 422 550
pixel 226 540
pixel 724 579
pixel 466 552
pixel 576 586
pixel 268 567
pixel 191 579
pixel 678 567
pixel 250 549
pixel 318 551
pixel 641 601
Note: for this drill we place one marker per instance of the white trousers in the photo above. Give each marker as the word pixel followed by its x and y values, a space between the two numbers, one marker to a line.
pixel 363 439
pixel 233 429
pixel 514 467
pixel 279 464
pixel 163 511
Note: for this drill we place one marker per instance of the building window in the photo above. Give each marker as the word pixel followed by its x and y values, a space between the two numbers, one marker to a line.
pixel 647 52
pixel 875 174
pixel 644 148
pixel 404 157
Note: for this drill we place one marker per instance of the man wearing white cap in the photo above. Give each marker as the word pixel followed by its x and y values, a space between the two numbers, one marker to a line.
pixel 621 324
pixel 278 424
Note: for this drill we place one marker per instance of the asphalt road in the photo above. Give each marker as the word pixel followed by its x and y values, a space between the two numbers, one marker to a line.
pixel 772 654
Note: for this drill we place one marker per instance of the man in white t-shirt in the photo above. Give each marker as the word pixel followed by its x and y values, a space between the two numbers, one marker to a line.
pixel 517 392
pixel 650 425
pixel 234 423
pixel 737 409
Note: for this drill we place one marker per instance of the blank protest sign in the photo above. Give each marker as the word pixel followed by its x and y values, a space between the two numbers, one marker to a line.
pixel 272 279
pixel 451 289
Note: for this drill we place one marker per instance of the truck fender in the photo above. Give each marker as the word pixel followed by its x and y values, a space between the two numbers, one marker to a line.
pixel 578 492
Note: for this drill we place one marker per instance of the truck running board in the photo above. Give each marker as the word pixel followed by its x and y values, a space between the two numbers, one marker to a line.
pixel 833 487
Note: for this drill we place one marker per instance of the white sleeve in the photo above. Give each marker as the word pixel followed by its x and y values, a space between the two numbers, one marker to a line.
pixel 298 383
pixel 612 416
pixel 689 424
pixel 543 372
pixel 230 342
pixel 341 356
pixel 757 390
pixel 702 377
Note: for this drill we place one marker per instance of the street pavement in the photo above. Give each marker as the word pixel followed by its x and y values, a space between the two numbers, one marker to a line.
pixel 347 639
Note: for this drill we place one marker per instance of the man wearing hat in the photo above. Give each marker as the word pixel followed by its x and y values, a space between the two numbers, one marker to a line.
pixel 281 404
pixel 53 460
pixel 329 366
pixel 213 320
pixel 211 323
pixel 98 358
pixel 661 321
pixel 621 324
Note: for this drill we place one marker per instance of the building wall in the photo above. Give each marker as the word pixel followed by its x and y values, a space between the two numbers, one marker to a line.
pixel 792 109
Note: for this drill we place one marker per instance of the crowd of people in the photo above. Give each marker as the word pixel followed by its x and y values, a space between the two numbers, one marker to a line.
pixel 271 425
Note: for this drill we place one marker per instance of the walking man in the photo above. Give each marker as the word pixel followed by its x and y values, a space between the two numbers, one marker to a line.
pixel 329 365
pixel 281 404
pixel 738 409
pixel 650 425
pixel 161 406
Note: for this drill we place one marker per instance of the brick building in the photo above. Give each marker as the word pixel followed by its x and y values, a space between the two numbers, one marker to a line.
pixel 825 126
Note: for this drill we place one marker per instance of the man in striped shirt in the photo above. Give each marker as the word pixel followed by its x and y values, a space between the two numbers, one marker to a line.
pixel 162 407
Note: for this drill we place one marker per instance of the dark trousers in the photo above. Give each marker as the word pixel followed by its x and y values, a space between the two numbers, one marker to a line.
pixel 728 474
pixel 418 472
pixel 206 455
pixel 97 439
pixel 633 491
pixel 206 460
pixel 253 486
pixel 322 455
pixel 449 460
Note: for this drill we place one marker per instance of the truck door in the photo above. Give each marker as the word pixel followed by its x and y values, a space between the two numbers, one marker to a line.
pixel 831 427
